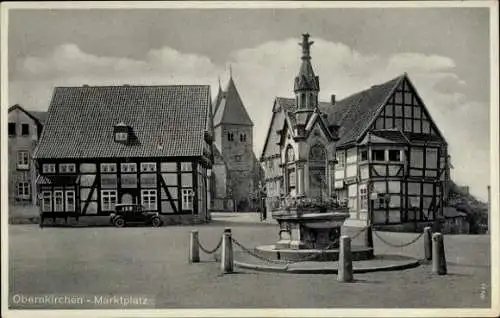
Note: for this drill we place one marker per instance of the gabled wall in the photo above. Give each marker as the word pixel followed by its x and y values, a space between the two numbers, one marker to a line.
pixel 405 110
pixel 19 143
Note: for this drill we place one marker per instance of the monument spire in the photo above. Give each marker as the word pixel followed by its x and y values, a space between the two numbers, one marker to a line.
pixel 306 46
pixel 306 84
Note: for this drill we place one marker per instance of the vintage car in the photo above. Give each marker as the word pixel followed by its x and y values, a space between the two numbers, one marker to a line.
pixel 133 213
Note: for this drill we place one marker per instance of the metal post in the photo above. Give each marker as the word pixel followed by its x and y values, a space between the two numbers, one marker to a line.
pixel 345 260
pixel 368 232
pixel 438 255
pixel 194 247
pixel 227 252
pixel 428 243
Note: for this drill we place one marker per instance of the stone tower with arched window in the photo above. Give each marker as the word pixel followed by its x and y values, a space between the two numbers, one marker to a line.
pixel 233 130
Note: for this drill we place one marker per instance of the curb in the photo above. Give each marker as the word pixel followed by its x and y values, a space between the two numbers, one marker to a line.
pixel 412 263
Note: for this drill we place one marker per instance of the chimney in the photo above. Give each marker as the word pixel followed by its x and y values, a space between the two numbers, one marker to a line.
pixel 333 99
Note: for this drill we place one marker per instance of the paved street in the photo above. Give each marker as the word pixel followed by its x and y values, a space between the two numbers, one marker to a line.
pixel 153 262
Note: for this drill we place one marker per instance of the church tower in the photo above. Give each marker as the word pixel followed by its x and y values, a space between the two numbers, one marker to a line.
pixel 306 85
pixel 233 131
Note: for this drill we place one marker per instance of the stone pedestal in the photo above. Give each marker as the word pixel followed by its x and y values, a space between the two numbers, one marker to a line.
pixel 309 229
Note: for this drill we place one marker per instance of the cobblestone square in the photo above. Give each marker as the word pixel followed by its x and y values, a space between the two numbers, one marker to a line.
pixel 154 262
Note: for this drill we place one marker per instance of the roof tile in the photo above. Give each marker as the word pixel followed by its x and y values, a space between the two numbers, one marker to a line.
pixel 167 120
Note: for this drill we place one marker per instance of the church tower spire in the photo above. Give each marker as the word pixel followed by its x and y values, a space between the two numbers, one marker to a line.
pixel 306 85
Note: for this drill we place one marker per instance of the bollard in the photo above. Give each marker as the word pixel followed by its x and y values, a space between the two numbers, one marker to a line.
pixel 227 252
pixel 369 237
pixel 345 260
pixel 428 243
pixel 438 256
pixel 194 247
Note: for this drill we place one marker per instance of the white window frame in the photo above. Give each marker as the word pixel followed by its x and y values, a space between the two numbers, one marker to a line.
pixel 149 199
pixel 109 195
pixel 58 194
pixel 108 167
pixel 121 136
pixel 363 197
pixel 186 166
pixel 187 199
pixel 128 167
pixel 148 167
pixel 341 159
pixel 25 187
pixel 46 195
pixel 373 155
pixel 394 151
pixel 67 168
pixel 49 168
pixel 23 160
pixel 70 207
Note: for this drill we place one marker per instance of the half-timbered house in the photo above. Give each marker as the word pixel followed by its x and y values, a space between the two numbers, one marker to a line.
pixel 390 162
pixel 104 145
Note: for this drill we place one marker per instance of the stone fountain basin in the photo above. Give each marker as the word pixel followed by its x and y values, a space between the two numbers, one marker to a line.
pixel 317 220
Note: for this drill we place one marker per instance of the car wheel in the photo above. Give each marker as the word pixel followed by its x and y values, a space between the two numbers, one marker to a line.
pixel 119 222
pixel 156 222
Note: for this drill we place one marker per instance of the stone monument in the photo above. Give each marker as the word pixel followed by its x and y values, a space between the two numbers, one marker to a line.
pixel 309 216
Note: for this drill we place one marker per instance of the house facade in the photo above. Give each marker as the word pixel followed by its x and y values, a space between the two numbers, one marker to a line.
pixel 126 144
pixel 24 130
pixel 237 171
pixel 377 151
pixel 392 158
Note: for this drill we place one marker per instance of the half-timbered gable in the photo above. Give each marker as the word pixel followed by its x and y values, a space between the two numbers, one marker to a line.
pixel 126 144
pixel 390 146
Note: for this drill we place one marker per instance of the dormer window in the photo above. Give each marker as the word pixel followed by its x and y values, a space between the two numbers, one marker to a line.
pixel 122 132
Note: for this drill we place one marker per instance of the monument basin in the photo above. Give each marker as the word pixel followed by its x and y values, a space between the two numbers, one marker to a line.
pixel 309 229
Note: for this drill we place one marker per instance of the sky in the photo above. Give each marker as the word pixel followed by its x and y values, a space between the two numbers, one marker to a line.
pixel 445 52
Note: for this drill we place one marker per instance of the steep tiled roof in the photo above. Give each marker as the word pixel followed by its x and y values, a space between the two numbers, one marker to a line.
pixel 390 135
pixel 354 113
pixel 229 108
pixel 167 121
pixel 290 104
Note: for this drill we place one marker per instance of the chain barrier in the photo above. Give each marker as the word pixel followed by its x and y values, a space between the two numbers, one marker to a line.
pixel 289 262
pixel 256 255
pixel 212 251
pixel 360 232
pixel 398 245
